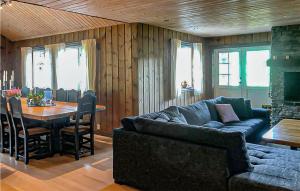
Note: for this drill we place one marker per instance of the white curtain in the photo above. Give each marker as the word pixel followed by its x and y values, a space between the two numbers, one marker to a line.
pixel 89 51
pixel 51 53
pixel 175 88
pixel 197 70
pixel 26 66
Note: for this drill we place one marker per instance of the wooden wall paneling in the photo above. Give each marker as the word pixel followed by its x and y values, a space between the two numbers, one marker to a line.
pixel 128 68
pixel 166 69
pixel 151 72
pixel 134 71
pixel 109 85
pixel 122 78
pixel 115 77
pixel 103 100
pixel 156 69
pixel 161 67
pixel 140 68
pixel 146 86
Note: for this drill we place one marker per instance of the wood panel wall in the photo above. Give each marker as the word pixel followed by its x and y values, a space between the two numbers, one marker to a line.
pixel 6 55
pixel 116 69
pixel 153 68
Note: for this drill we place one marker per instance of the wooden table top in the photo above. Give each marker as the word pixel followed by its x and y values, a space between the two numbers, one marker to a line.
pixel 286 132
pixel 61 109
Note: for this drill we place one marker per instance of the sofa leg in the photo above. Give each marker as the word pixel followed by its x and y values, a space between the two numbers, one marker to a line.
pixel 294 148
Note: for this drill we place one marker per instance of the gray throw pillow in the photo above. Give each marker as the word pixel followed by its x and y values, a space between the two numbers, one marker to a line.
pixel 196 114
pixel 174 115
pixel 238 105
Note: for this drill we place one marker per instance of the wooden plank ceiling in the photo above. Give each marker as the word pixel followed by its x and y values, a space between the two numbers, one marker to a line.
pixel 201 17
pixel 23 21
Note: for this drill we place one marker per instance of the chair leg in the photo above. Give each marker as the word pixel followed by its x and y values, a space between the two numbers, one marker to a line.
pixel 92 143
pixel 17 149
pixel 76 147
pixel 26 152
pixel 2 139
pixel 61 145
pixel 11 146
pixel 50 144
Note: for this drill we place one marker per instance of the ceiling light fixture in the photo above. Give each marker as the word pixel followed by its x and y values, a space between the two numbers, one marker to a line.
pixel 5 2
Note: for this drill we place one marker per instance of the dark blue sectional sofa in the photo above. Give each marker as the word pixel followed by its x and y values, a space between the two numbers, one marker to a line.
pixel 188 148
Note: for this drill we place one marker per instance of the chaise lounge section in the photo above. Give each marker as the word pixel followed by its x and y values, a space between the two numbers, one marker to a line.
pixel 187 148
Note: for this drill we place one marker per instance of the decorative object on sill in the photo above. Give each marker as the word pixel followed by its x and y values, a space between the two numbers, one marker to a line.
pixel 184 84
pixel 266 106
pixel 11 93
pixel 39 99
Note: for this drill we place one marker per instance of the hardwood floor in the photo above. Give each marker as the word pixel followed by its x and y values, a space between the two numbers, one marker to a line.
pixel 62 173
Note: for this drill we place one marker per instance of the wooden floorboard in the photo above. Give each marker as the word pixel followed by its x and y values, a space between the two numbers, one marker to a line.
pixel 62 173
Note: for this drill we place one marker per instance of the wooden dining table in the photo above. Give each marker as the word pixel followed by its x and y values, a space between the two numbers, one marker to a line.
pixel 52 115
pixel 57 111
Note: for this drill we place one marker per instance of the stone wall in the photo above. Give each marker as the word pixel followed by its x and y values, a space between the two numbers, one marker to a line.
pixel 285 51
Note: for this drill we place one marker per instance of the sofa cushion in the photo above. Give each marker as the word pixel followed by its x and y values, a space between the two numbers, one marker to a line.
pixel 247 131
pixel 211 104
pixel 274 169
pixel 226 113
pixel 238 105
pixel 255 124
pixel 196 114
pixel 213 124
pixel 248 109
pixel 174 115
pixel 233 142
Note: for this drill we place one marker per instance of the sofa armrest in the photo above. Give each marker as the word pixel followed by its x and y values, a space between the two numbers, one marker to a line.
pixel 261 113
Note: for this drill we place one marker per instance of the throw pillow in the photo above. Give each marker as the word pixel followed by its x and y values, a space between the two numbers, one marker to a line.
pixel 238 105
pixel 174 115
pixel 196 114
pixel 226 113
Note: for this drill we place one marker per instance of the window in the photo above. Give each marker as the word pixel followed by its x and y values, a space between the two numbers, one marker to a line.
pixel 41 70
pixel 184 66
pixel 257 71
pixel 70 64
pixel 71 69
pixel 243 66
pixel 229 70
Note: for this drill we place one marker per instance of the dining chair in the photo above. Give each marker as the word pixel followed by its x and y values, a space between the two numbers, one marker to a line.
pixel 73 95
pixel 81 137
pixel 90 92
pixel 61 95
pixel 6 131
pixel 27 139
pixel 25 91
pixel 38 90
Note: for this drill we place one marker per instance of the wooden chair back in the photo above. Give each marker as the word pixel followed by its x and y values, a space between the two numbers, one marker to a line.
pixel 73 96
pixel 61 95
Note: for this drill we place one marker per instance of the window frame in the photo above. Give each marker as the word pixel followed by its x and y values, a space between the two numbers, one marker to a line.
pixel 242 63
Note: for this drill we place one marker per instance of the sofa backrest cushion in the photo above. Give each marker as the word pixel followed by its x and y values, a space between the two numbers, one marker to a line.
pixel 211 105
pixel 238 105
pixel 233 142
pixel 248 108
pixel 196 114
pixel 174 115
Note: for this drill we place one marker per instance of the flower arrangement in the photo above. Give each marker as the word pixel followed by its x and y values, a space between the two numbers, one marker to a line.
pixel 35 99
pixel 12 93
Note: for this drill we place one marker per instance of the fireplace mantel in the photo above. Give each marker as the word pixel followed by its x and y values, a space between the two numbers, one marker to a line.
pixel 284 61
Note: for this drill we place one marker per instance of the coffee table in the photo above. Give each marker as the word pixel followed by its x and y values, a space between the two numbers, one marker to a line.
pixel 286 132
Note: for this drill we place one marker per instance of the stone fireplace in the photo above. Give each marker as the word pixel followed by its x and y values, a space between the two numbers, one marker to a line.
pixel 285 72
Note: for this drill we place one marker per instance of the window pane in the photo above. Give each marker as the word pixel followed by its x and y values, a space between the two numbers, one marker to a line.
pixel 223 57
pixel 223 80
pixel 234 69
pixel 223 68
pixel 71 69
pixel 184 66
pixel 28 70
pixel 41 70
pixel 257 71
